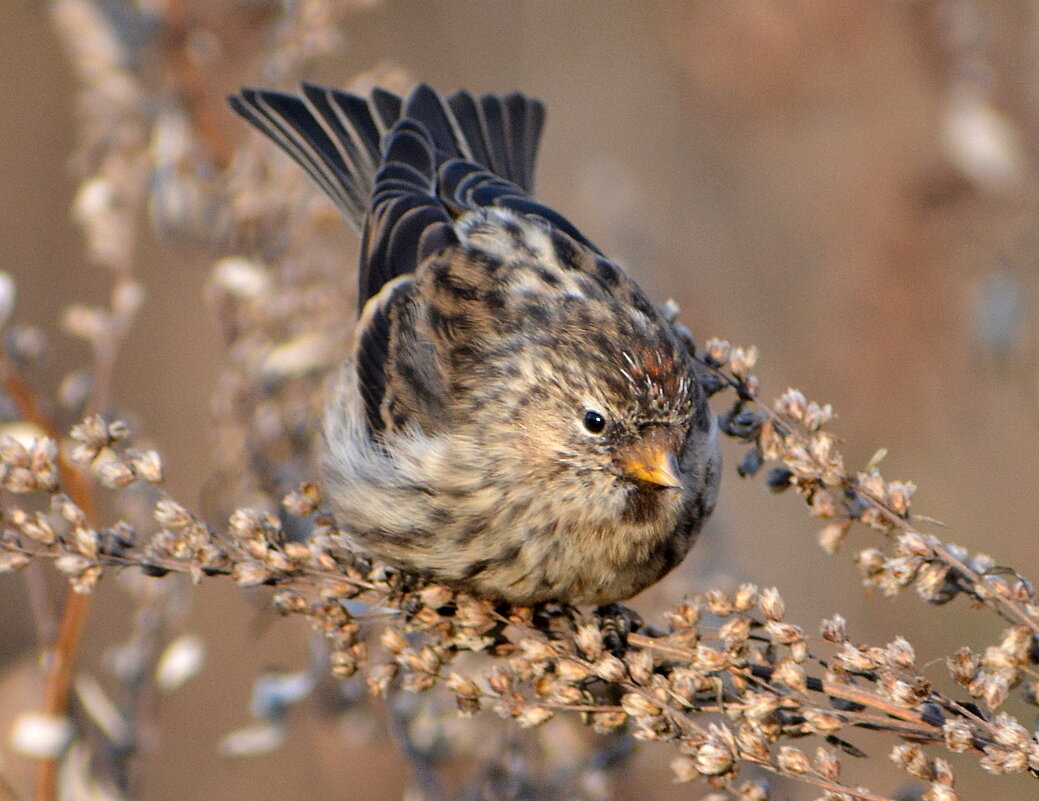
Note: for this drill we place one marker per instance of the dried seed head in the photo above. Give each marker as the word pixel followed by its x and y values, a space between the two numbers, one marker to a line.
pixel 589 640
pixel 250 574
pixel 792 405
pixel 742 361
pixel 998 760
pixel 745 598
pixel 963 666
pixel 1009 732
pixel 241 278
pixel 717 352
pixel 791 674
pixel 899 494
pixel 534 716
pixel 147 465
pixel 932 583
pixel 752 743
pixel 816 416
pixel 286 601
pixel 636 705
pixel 898 691
pixel 760 706
pixel 13 453
pixel 943 772
pixel 172 514
pixel 734 632
pixel 500 680
pixel 685 616
pixel 303 501
pixel 709 659
pixel 835 630
pixel 772 605
pixel 11 561
pixel 571 670
pixel 784 633
pixel 463 686
pixel 1016 643
pixel 717 603
pixel 940 792
pixel 900 654
pixel 912 759
pixel 714 757
pixel 640 665
pixel 832 535
pixel 604 722
pixel 86 581
pixel 114 474
pixel 855 659
pixel 35 526
pixel 793 760
pixel 71 564
pixel 824 505
pixel 609 667
pixel 824 721
pixel 537 650
pixel 992 688
pixel 40 735
pixel 752 791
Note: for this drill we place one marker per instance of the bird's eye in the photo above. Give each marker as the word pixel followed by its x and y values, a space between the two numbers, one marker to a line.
pixel 594 421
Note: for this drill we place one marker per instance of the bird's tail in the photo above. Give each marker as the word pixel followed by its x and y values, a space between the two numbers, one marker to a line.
pixel 337 137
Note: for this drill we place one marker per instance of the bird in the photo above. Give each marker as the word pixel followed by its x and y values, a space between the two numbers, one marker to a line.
pixel 516 419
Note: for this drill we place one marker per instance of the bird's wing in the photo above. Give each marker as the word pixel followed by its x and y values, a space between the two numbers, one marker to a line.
pixel 399 376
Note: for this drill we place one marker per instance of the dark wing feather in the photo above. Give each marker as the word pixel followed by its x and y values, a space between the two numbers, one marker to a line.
pixel 397 371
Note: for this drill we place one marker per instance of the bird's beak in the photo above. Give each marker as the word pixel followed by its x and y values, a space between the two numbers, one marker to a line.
pixel 653 462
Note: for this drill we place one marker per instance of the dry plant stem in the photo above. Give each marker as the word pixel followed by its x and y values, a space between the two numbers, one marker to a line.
pixel 1008 609
pixel 821 783
pixel 58 680
pixel 917 725
pixel 62 656
pixel 7 792
pixel 187 81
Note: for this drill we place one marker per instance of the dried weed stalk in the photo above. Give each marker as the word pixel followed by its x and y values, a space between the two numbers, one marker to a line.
pixel 733 686
pixel 726 679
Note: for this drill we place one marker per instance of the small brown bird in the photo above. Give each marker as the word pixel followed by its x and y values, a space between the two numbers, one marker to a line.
pixel 516 419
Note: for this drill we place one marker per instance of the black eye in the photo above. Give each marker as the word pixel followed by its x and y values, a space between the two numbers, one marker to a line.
pixel 594 421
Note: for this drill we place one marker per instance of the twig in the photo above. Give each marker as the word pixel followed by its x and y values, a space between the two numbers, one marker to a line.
pixel 62 657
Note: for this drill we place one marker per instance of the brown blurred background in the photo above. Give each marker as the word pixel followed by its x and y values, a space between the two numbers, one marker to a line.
pixel 848 184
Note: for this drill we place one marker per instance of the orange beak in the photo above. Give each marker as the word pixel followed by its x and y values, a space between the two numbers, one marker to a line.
pixel 654 462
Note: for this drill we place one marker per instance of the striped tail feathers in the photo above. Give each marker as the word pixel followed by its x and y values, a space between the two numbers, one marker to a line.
pixel 398 168
pixel 337 136
pixel 502 132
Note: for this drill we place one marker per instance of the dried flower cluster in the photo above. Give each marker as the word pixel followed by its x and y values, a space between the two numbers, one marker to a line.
pixel 733 687
pixel 727 678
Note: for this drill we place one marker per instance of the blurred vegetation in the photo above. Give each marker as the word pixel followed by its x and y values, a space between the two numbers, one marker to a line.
pixel 849 186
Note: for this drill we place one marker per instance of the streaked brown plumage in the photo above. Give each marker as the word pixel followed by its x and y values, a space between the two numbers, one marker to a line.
pixel 517 419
